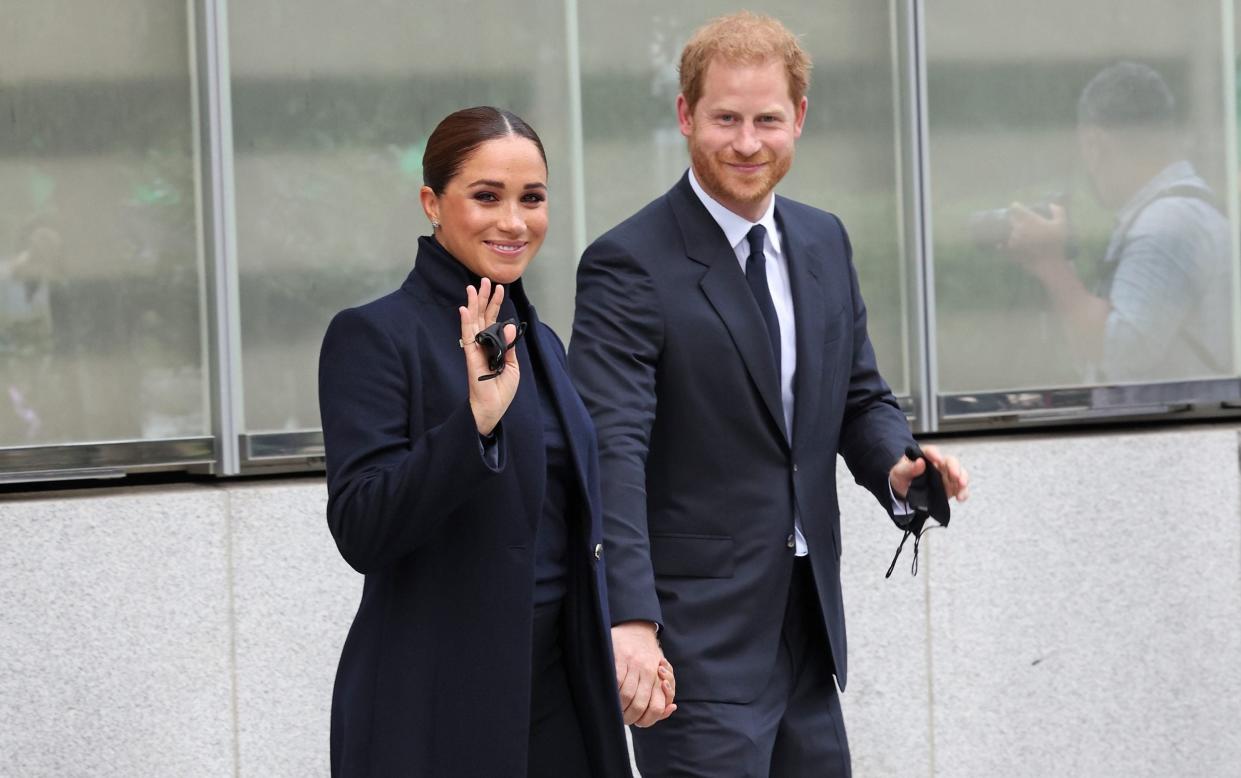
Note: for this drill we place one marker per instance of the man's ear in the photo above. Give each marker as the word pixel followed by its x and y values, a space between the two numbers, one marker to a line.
pixel 685 116
pixel 801 116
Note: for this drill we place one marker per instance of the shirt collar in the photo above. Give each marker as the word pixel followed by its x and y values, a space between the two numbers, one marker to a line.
pixel 735 227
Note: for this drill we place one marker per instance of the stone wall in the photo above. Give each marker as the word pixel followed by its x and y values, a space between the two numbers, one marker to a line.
pixel 1081 616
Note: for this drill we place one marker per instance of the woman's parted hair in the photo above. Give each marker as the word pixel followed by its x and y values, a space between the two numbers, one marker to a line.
pixel 743 38
pixel 456 137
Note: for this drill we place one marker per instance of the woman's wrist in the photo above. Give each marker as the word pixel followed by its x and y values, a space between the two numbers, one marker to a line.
pixel 483 422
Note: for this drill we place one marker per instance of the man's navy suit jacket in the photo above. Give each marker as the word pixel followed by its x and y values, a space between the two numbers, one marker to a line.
pixel 700 478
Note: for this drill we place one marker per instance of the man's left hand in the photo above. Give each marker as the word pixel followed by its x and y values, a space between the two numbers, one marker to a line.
pixel 956 480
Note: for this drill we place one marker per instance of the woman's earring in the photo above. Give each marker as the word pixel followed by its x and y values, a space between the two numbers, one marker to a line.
pixel 434 225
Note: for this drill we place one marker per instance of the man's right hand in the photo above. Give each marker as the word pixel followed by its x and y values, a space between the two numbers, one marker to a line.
pixel 645 679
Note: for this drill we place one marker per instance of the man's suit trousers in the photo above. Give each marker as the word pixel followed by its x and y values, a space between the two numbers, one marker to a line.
pixel 792 730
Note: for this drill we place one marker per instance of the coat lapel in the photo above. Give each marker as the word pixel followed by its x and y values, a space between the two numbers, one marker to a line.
pixel 574 420
pixel 524 417
pixel 725 287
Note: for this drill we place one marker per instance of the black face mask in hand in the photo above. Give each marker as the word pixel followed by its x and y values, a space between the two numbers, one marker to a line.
pixel 927 499
pixel 494 347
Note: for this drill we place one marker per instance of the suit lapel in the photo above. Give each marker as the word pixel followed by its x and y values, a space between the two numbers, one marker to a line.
pixel 725 286
pixel 819 305
pixel 810 313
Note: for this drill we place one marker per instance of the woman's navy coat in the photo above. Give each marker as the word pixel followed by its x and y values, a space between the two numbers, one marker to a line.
pixel 434 678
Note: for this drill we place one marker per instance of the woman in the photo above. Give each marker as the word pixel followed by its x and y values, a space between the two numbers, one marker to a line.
pixel 465 490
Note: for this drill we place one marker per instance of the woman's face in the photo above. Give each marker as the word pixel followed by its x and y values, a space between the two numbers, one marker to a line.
pixel 493 213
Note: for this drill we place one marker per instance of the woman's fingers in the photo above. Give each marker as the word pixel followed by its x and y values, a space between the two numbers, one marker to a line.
pixel 474 363
pixel 468 323
pixel 669 679
pixel 471 306
pixel 484 306
pixel 493 306
pixel 470 327
pixel 654 709
pixel 480 309
pixel 510 356
pixel 467 326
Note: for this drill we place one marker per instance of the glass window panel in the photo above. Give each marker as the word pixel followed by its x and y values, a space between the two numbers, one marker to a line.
pixel 330 121
pixel 1124 272
pixel 848 156
pixel 101 293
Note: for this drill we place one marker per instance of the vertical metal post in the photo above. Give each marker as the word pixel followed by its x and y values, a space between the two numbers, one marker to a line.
pixel 916 160
pixel 215 128
pixel 1229 49
pixel 577 164
pixel 900 152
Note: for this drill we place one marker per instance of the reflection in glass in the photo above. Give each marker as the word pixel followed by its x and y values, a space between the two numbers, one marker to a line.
pixel 1080 197
pixel 1162 296
pixel 100 291
pixel 847 157
pixel 329 126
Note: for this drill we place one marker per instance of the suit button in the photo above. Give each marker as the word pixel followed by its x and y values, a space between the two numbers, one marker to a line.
pixel 792 541
pixel 794 468
pixel 598 550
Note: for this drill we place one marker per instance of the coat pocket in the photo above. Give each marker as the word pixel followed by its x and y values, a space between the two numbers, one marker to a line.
pixel 692 556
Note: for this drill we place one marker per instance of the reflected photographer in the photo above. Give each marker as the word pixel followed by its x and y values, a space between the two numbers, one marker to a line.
pixel 1160 307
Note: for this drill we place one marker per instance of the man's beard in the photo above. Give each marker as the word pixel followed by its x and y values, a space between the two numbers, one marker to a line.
pixel 723 185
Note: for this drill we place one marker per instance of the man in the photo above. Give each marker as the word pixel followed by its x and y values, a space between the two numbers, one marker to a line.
pixel 1161 308
pixel 725 364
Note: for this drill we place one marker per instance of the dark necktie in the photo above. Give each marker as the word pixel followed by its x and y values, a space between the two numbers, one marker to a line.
pixel 756 276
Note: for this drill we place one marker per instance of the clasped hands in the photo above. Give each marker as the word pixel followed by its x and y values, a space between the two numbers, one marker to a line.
pixel 644 678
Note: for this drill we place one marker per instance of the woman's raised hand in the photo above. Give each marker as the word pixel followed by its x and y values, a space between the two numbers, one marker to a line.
pixel 488 399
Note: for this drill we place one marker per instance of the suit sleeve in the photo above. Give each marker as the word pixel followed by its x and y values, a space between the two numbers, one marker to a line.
pixel 613 356
pixel 389 488
pixel 874 432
